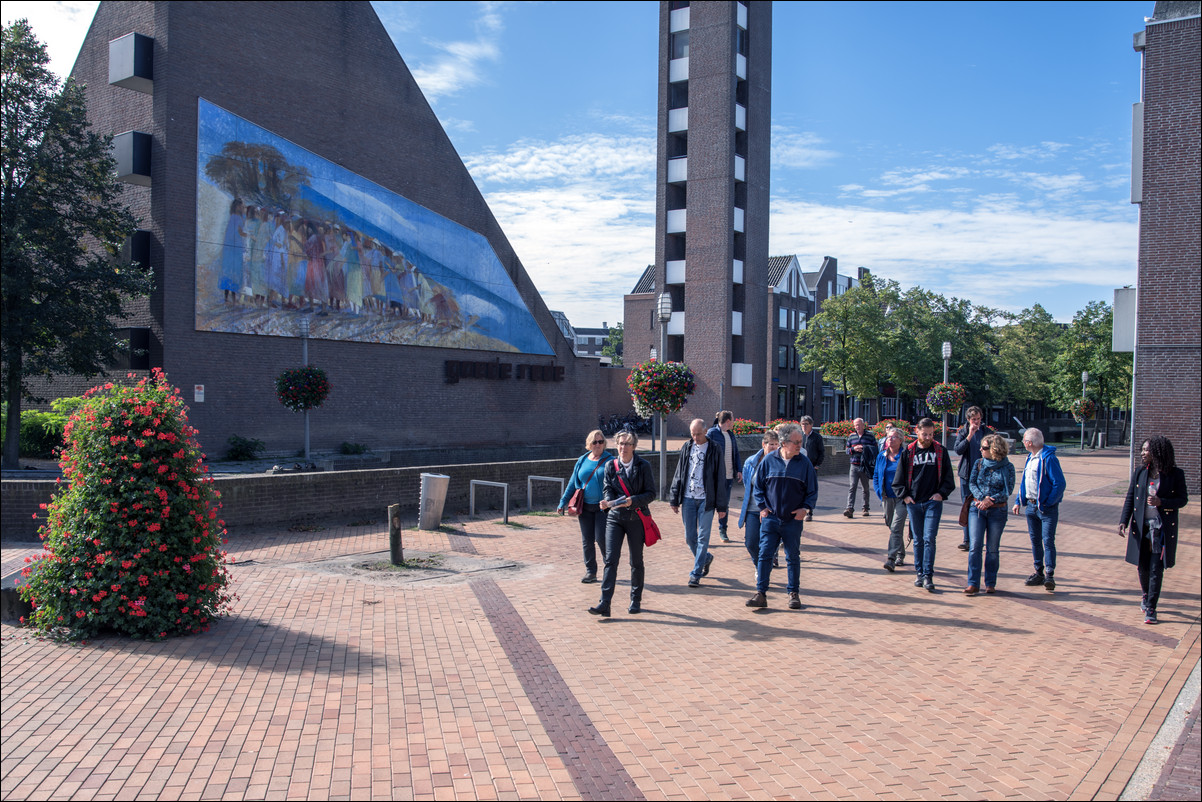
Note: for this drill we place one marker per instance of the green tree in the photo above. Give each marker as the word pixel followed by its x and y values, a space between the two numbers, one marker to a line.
pixel 1027 349
pixel 613 348
pixel 62 223
pixel 1085 347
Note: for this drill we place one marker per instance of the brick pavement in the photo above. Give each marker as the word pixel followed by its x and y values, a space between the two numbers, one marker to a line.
pixel 504 687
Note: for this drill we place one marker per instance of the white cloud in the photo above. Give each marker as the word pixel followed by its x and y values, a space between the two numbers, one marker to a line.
pixel 572 158
pixel 798 150
pixel 1040 152
pixel 462 63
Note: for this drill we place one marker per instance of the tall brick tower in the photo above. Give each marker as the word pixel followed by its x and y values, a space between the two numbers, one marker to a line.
pixel 712 179
pixel 1166 161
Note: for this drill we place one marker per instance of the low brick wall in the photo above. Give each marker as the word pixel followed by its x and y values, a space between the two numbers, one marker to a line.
pixel 268 499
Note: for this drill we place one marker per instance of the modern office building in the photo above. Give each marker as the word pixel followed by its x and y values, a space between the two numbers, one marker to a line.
pixel 712 180
pixel 290 179
pixel 1165 165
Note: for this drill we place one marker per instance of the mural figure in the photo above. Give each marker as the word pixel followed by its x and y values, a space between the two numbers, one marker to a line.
pixel 283 234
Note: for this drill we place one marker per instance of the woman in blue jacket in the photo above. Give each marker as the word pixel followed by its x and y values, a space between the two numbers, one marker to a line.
pixel 895 511
pixel 991 483
pixel 589 474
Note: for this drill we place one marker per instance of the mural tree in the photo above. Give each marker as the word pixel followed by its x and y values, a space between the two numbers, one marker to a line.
pixel 257 173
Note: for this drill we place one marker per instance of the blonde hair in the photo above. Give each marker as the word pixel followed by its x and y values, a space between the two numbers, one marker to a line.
pixel 997 445
pixel 593 435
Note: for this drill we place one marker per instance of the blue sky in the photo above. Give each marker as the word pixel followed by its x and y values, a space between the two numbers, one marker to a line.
pixel 978 149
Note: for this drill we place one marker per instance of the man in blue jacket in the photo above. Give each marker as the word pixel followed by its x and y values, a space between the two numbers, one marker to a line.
pixel 1040 492
pixel 786 489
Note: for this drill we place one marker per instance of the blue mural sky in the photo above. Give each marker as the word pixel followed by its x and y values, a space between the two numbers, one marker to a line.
pixel 456 261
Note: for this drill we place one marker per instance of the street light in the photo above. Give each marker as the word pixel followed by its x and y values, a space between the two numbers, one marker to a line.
pixel 1084 379
pixel 665 315
pixel 947 354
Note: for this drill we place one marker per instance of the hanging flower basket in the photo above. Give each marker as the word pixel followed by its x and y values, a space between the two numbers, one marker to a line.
pixel 946 397
pixel 1083 409
pixel 301 389
pixel 660 387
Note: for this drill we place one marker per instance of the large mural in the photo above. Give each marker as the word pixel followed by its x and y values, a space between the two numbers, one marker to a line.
pixel 283 235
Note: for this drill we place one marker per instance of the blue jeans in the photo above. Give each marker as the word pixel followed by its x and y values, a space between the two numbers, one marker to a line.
pixel 984 528
pixel 697 521
pixel 772 532
pixel 924 523
pixel 1042 528
pixel 751 535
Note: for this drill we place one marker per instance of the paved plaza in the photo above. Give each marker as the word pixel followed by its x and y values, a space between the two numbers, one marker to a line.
pixel 485 678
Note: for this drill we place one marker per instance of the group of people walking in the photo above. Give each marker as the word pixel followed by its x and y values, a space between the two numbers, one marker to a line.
pixel 912 481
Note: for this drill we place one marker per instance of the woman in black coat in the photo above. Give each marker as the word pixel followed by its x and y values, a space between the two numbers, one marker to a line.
pixel 622 522
pixel 1157 491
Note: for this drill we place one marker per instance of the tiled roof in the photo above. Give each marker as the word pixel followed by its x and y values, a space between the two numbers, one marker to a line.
pixel 776 269
pixel 646 281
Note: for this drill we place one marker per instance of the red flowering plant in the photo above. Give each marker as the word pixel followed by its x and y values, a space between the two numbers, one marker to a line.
pixel 304 388
pixel 660 387
pixel 838 428
pixel 946 397
pixel 132 542
pixel 878 431
pixel 744 426
pixel 1083 409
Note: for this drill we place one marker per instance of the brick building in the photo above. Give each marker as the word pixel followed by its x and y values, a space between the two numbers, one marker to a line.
pixel 157 73
pixel 1166 167
pixel 712 176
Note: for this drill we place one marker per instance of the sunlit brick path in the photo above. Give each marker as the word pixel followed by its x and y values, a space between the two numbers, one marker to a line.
pixel 500 685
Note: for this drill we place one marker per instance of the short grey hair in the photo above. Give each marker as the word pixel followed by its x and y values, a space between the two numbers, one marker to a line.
pixel 785 431
pixel 1036 437
pixel 807 419
pixel 631 436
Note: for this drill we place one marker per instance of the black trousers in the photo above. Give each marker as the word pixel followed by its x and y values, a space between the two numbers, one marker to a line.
pixel 617 530
pixel 592 535
pixel 1151 573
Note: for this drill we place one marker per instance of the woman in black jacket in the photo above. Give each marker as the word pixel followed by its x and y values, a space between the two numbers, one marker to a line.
pixel 622 522
pixel 1157 491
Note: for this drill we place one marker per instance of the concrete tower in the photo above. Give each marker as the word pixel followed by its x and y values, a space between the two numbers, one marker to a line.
pixel 712 181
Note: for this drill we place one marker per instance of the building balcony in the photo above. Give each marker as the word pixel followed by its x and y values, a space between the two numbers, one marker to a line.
pixel 676 221
pixel 739 215
pixel 740 117
pixel 737 271
pixel 678 169
pixel 740 168
pixel 740 15
pixel 678 20
pixel 678 120
pixel 675 272
pixel 740 374
pixel 741 66
pixel 678 69
pixel 736 324
pixel 676 324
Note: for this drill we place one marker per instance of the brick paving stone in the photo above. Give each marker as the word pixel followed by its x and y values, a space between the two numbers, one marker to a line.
pixel 321 685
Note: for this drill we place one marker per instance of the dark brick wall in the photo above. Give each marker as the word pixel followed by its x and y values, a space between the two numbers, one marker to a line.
pixel 326 76
pixel 1168 355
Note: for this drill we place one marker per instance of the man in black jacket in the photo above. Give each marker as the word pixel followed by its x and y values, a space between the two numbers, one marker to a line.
pixel 968 446
pixel 861 448
pixel 698 488
pixel 814 448
pixel 924 479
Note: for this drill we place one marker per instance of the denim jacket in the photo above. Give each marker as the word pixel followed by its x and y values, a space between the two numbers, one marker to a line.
pixel 993 479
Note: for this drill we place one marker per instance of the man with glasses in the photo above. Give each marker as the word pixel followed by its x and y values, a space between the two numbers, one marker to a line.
pixel 786 489
pixel 698 489
pixel 815 448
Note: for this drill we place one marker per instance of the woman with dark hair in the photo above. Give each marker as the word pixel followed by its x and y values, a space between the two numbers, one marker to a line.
pixel 1157 491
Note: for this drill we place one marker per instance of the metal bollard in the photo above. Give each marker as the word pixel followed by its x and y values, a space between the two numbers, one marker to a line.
pixel 395 544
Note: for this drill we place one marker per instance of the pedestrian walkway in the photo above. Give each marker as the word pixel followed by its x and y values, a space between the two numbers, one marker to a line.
pixel 496 683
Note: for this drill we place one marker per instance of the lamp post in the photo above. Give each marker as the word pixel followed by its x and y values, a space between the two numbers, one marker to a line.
pixel 947 354
pixel 304 333
pixel 665 315
pixel 1084 379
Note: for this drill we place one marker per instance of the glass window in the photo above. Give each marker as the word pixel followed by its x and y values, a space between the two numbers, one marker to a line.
pixel 784 318
pixel 680 45
pixel 782 356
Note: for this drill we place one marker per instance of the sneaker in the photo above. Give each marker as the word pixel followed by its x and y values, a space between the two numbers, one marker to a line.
pixel 810 516
pixel 1143 604
pixel 588 579
pixel 1150 617
pixel 929 584
pixel 971 590
pixel 709 558
pixel 694 583
pixel 1035 579
pixel 890 566
pixel 1049 583
pixel 722 535
pixel 865 513
pixel 900 561
pixel 758 600
pixel 849 513
pixel 794 601
pixel 963 547
pixel 918 581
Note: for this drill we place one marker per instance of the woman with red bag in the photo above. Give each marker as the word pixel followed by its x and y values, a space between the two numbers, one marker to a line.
pixel 582 498
pixel 629 488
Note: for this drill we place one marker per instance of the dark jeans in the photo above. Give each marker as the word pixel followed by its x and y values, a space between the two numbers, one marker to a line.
pixel 592 536
pixel 617 530
pixel 773 532
pixel 924 523
pixel 724 511
pixel 963 495
pixel 1041 525
pixel 1151 573
pixel 751 535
